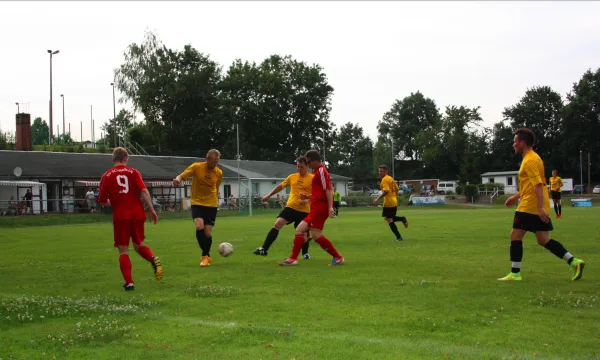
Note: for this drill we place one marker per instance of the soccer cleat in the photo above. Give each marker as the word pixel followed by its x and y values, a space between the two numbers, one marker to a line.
pixel 512 276
pixel 577 266
pixel 404 221
pixel 128 287
pixel 338 261
pixel 399 238
pixel 209 259
pixel 288 261
pixel 204 261
pixel 306 256
pixel 260 251
pixel 157 267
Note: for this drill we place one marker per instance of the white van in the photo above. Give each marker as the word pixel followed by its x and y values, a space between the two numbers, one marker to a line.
pixel 447 186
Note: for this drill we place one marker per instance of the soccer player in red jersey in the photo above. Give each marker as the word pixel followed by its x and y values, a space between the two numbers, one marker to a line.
pixel 120 187
pixel 321 207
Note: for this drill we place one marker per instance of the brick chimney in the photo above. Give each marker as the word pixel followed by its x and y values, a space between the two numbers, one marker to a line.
pixel 23 140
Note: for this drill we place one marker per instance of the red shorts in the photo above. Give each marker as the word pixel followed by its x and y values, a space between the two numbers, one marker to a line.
pixel 317 216
pixel 128 229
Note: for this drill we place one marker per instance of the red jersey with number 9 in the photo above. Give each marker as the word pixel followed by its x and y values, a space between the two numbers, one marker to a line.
pixel 122 185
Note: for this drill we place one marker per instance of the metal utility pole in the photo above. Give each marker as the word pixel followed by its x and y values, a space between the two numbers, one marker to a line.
pixel 393 162
pixel 114 114
pixel 589 173
pixel 63 101
pixel 51 53
pixel 581 169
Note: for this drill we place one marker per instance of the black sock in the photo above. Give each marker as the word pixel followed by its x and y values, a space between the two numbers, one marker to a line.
pixel 395 230
pixel 516 255
pixel 559 209
pixel 556 209
pixel 305 247
pixel 208 245
pixel 271 237
pixel 201 240
pixel 556 248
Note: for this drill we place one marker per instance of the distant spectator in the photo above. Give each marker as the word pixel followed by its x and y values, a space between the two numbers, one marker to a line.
pixel 90 197
pixel 28 201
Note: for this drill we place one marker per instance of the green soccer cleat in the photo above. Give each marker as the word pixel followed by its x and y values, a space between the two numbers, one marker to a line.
pixel 512 276
pixel 577 268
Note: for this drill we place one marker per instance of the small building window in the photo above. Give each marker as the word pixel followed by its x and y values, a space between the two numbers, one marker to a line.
pixel 490 180
pixel 509 181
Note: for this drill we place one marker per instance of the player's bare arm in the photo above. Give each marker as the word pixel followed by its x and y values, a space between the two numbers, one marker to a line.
pixel 539 194
pixel 148 201
pixel 276 190
pixel 329 193
pixel 383 194
pixel 512 200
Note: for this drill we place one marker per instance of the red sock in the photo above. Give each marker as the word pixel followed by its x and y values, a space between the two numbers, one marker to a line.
pixel 328 246
pixel 298 243
pixel 145 252
pixel 125 263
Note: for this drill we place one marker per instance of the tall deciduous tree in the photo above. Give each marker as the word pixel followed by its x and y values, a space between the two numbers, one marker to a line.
pixel 406 119
pixel 178 93
pixel 120 125
pixel 540 110
pixel 281 105
pixel 40 132
pixel 352 153
pixel 581 124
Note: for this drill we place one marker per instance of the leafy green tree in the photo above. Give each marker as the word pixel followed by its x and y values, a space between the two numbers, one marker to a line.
pixel 40 133
pixel 581 125
pixel 352 153
pixel 119 126
pixel 406 119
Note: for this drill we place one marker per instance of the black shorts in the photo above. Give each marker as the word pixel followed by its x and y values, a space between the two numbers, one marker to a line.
pixel 206 213
pixel 292 216
pixel 389 212
pixel 530 222
pixel 556 195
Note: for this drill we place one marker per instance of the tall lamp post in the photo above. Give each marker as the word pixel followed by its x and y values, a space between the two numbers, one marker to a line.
pixel 51 53
pixel 114 115
pixel 63 101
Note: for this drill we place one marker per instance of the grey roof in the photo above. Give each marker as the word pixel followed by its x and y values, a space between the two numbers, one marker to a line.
pixel 268 169
pixel 500 173
pixel 41 164
pixel 81 166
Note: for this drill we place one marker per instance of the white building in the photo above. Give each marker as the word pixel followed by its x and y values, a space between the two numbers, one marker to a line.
pixel 508 178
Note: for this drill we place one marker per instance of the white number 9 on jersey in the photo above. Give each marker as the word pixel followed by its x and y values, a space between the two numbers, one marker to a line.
pixel 123 182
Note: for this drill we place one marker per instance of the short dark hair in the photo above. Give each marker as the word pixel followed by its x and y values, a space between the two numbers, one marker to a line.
pixel 384 167
pixel 526 135
pixel 302 160
pixel 312 155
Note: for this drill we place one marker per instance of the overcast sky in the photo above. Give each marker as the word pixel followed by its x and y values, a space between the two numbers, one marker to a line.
pixel 457 53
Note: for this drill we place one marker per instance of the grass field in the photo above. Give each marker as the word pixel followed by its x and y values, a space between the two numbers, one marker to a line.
pixel 432 296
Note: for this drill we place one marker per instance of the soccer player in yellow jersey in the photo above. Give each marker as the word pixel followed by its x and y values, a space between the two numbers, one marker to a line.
pixel 532 212
pixel 206 180
pixel 295 209
pixel 389 193
pixel 555 184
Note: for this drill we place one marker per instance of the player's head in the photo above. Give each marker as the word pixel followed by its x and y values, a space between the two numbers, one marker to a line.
pixel 383 170
pixel 554 172
pixel 313 159
pixel 120 156
pixel 212 158
pixel 302 165
pixel 524 139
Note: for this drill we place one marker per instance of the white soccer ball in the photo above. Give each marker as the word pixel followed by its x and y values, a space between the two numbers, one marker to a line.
pixel 225 249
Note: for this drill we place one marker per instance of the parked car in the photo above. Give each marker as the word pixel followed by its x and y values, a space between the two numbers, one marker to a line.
pixel 580 189
pixel 596 189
